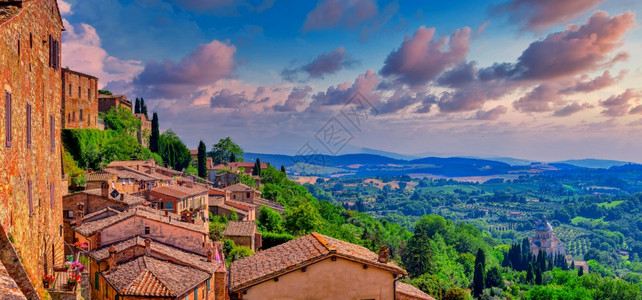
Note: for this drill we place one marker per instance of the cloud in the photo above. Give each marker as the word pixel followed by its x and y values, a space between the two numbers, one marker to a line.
pixel 324 64
pixel 205 65
pixel 618 105
pixel 537 15
pixel 82 51
pixel 223 7
pixel 226 98
pixel 571 109
pixel 340 13
pixel 340 94
pixel 492 114
pixel 294 100
pixel 577 49
pixel 543 98
pixel 65 8
pixel 603 81
pixel 422 58
pixel 458 76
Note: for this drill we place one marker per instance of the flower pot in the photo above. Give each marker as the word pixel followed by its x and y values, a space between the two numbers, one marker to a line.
pixel 46 284
pixel 71 286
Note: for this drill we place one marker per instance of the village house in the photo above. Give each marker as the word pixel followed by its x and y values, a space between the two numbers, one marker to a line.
pixel 224 179
pixel 246 168
pixel 243 233
pixel 125 180
pixel 246 194
pixel 143 268
pixel 316 266
pixel 218 206
pixel 79 100
pixel 145 222
pixel 177 198
pixel 32 182
pixel 106 102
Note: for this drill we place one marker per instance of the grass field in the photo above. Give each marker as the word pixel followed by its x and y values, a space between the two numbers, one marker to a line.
pixel 577 220
pixel 610 204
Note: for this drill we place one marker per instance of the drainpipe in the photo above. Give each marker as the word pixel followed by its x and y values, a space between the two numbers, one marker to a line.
pixel 395 286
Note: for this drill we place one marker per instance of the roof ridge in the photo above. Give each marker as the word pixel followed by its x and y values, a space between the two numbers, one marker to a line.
pixel 322 239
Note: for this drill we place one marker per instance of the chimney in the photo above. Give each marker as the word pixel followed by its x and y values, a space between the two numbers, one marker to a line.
pixel 122 197
pixel 104 189
pixel 111 260
pixel 384 254
pixel 148 247
pixel 98 239
pixel 79 215
pixel 210 255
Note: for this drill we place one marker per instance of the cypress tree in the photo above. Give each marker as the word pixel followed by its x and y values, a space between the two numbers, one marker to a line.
pixel 257 168
pixel 143 108
pixel 580 271
pixel 137 106
pixel 572 265
pixel 202 168
pixel 478 280
pixel 538 276
pixel 153 138
pixel 529 274
pixel 282 169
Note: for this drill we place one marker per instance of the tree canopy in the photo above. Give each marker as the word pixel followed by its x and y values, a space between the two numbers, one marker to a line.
pixel 224 149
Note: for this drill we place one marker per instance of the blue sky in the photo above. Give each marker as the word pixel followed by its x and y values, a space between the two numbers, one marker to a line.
pixel 537 79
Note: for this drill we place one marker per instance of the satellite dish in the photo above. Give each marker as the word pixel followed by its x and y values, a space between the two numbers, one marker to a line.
pixel 114 194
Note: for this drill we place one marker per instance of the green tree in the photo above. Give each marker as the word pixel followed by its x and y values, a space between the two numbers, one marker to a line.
pixel 580 271
pixel 121 120
pixel 456 293
pixel 174 153
pixel 418 255
pixel 223 150
pixel 530 274
pixel 202 159
pixel 269 220
pixel 153 138
pixel 478 280
pixel 104 92
pixel 302 219
pixel 494 278
pixel 538 276
pixel 283 169
pixel 257 167
pixel 143 108
pixel 137 106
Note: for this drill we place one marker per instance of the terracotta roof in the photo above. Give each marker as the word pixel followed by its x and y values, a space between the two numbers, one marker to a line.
pixel 100 175
pixel 193 152
pixel 239 187
pixel 236 165
pixel 240 228
pixel 195 260
pixel 243 206
pixel 297 253
pixel 148 276
pixel 124 173
pixel 90 228
pixel 269 203
pixel 178 191
pixel 411 291
pixel 8 11
pixel 67 70
pixel 9 289
pixel 99 214
pixel 126 198
pixel 131 163
pixel 216 192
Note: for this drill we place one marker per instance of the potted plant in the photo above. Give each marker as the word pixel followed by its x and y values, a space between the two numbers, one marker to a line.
pixel 72 281
pixel 76 265
pixel 47 280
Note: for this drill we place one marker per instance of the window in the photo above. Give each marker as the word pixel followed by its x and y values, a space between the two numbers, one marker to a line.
pixel 247 195
pixel 18 45
pixel 7 110
pixel 168 205
pixel 51 52
pixel 52 195
pixel 30 190
pixel 208 285
pixel 30 40
pixel 28 125
pixel 80 116
pixel 69 117
pixel 79 93
pixel 195 293
pixel 186 297
pixel 89 94
pixel 70 90
pixel 96 281
pixel 147 230
pixel 52 132
pixel 73 116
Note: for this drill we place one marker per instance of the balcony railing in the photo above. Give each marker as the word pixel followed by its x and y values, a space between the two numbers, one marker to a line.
pixel 61 276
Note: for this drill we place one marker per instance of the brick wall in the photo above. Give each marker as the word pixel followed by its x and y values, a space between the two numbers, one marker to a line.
pixel 26 73
pixel 79 100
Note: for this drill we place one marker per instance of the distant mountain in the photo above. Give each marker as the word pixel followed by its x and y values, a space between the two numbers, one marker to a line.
pixel 593 163
pixel 509 160
pixel 325 160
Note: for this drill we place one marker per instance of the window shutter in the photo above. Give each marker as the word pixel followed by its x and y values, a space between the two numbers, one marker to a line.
pixel 57 55
pixel 28 125
pixel 50 51
pixel 7 109
pixel 30 189
pixel 52 195
pixel 52 130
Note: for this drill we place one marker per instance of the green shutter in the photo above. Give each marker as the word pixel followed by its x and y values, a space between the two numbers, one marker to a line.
pixel 196 293
pixel 96 281
pixel 208 285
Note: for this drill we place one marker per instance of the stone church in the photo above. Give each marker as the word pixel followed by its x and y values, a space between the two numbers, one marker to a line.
pixel 545 240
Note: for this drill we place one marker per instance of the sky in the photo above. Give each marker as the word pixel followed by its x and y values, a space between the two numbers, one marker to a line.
pixel 543 80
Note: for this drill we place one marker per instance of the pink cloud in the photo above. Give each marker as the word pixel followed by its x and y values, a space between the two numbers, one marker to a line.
pixel 422 58
pixel 571 109
pixel 324 64
pixel 294 100
pixel 603 81
pixel 207 64
pixel 618 105
pixel 339 13
pixel 82 51
pixel 538 15
pixel 492 114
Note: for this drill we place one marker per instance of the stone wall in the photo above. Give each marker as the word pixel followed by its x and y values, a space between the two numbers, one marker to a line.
pixel 35 226
pixel 79 100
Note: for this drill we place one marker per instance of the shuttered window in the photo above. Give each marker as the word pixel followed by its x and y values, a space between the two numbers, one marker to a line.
pixel 30 190
pixel 96 281
pixel 7 125
pixel 52 195
pixel 51 52
pixel 52 132
pixel 28 125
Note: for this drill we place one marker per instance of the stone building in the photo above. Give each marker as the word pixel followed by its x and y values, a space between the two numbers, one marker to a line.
pixel 545 240
pixel 106 102
pixel 177 199
pixel 31 181
pixel 144 130
pixel 79 100
pixel 316 266
pixel 246 194
pixel 243 233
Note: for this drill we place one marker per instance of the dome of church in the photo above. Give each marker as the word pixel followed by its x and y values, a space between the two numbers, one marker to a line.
pixel 543 226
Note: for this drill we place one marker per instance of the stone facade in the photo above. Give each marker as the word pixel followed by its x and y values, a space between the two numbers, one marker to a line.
pixel 31 181
pixel 106 102
pixel 79 100
pixel 545 240
pixel 144 130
